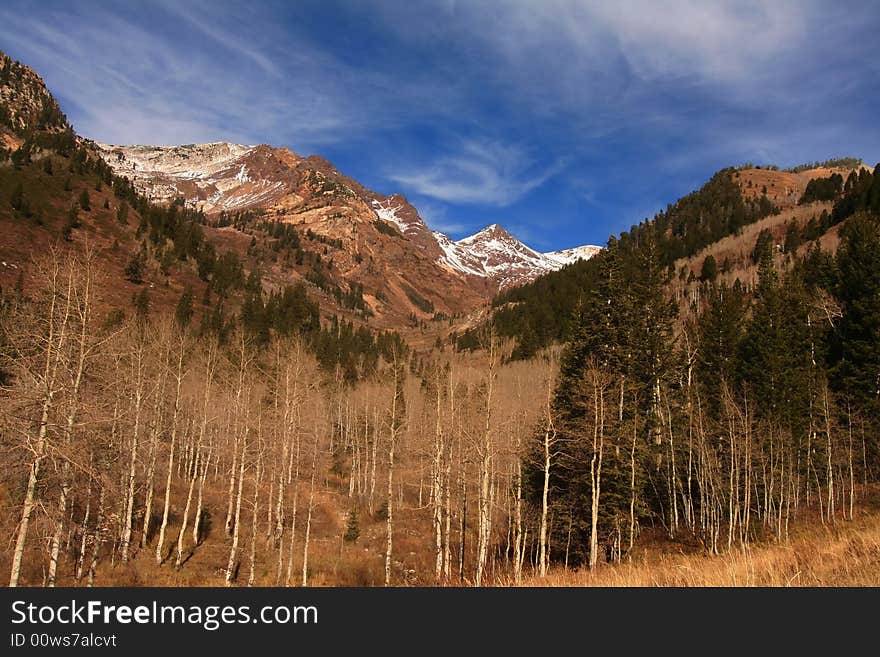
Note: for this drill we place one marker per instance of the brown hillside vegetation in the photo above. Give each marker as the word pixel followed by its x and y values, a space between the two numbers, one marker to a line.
pixel 736 250
pixel 845 554
pixel 733 253
pixel 783 188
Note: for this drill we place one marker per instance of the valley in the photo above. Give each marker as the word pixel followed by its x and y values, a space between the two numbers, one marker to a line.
pixel 232 365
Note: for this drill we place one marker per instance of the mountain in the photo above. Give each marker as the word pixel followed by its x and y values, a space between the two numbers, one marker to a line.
pixel 289 219
pixel 308 191
pixel 495 254
pixel 223 177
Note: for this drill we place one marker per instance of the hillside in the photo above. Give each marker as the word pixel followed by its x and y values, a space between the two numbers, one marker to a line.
pixel 724 219
pixel 57 195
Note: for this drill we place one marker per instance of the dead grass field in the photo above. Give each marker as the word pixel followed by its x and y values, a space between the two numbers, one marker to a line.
pixel 847 554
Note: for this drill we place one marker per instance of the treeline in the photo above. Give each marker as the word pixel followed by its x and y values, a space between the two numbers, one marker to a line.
pixel 540 313
pixel 762 410
pixel 833 163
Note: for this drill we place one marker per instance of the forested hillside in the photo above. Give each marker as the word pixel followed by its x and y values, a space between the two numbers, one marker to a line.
pixel 540 313
pixel 57 192
pixel 762 407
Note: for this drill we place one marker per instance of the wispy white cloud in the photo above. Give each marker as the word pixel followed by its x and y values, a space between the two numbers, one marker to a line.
pixel 479 171
pixel 199 72
pixel 204 18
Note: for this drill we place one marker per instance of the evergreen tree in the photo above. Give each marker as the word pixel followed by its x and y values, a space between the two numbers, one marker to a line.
pixel 17 198
pixel 720 331
pixel 352 527
pixel 184 311
pixel 134 270
pixel 856 348
pixel 141 302
pixel 84 201
pixel 775 351
pixel 763 246
pixel 709 271
pixel 792 239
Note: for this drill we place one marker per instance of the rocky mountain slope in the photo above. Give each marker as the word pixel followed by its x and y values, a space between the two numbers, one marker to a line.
pixel 224 177
pixel 25 104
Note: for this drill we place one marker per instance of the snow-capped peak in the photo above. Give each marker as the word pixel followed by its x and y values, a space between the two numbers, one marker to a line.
pixel 496 254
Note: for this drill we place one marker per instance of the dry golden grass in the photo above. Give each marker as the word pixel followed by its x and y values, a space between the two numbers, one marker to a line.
pixel 847 554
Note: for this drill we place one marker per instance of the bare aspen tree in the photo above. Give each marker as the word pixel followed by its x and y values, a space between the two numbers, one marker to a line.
pixel 181 536
pixel 301 371
pixel 244 359
pixel 138 356
pixel 826 410
pixel 597 387
pixel 85 344
pixel 50 335
pixel 447 485
pixel 204 461
pixel 311 506
pixel 518 529
pixel 81 556
pixel 375 455
pixel 850 466
pixel 437 470
pixel 295 460
pixel 231 567
pixel 486 454
pixel 632 479
pixel 257 480
pixel 164 354
pixel 211 358
pixel 396 419
pixel 97 536
pixel 181 345
pixel 548 443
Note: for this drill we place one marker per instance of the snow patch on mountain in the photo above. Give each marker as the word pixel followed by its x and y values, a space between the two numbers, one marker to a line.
pixel 242 175
pixel 212 177
pixel 496 254
pixel 569 256
pixel 188 162
pixel 458 258
pixel 387 212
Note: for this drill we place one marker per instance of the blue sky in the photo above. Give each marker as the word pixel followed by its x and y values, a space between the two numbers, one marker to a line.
pixel 563 121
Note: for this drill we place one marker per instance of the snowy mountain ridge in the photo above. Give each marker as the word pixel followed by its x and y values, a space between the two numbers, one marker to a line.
pixel 222 176
pixel 496 254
